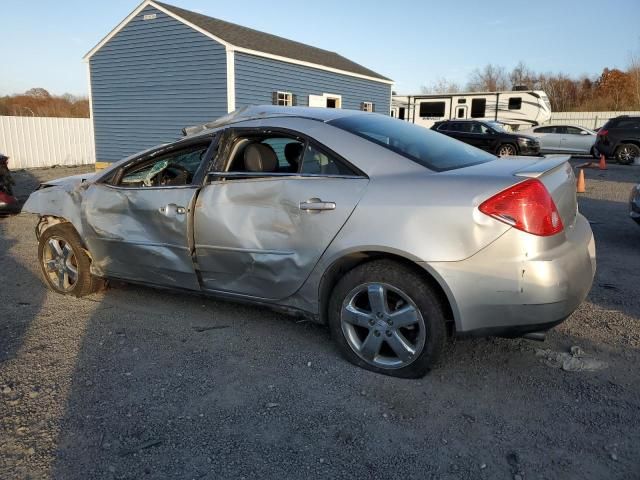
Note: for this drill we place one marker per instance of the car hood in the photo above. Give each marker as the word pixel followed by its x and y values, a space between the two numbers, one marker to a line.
pixel 520 135
pixel 70 181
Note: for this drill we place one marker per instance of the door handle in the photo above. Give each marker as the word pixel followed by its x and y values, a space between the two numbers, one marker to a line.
pixel 317 205
pixel 171 210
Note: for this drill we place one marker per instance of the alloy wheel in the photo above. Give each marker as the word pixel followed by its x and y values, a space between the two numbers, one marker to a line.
pixel 60 264
pixel 627 154
pixel 382 325
pixel 506 150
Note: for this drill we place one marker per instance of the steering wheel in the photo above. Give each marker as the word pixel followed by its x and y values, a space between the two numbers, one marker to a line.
pixel 175 166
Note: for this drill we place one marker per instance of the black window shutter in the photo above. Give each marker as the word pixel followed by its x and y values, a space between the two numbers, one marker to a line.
pixel 274 98
pixel 361 105
pixel 373 107
pixel 294 100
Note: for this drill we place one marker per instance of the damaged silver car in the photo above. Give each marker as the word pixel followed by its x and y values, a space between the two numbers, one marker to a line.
pixel 395 236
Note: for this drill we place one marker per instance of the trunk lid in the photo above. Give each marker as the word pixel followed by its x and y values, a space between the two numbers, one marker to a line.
pixel 554 172
pixel 557 176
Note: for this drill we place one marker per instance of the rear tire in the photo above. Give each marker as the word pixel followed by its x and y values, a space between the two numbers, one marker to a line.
pixel 64 263
pixel 385 318
pixel 626 153
pixel 506 150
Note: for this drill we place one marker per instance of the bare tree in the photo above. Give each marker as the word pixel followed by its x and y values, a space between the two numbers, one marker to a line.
pixel 491 78
pixel 523 76
pixel 37 93
pixel 634 76
pixel 441 85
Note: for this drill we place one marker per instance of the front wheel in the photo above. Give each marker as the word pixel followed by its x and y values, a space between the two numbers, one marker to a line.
pixel 506 150
pixel 627 153
pixel 385 318
pixel 64 263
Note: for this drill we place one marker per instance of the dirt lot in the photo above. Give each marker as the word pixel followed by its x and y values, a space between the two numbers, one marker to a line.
pixel 137 383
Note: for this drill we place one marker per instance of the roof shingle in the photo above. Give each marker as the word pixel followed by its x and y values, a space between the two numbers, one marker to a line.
pixel 251 39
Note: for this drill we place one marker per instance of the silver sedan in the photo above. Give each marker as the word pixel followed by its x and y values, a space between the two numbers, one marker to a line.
pixel 570 139
pixel 395 236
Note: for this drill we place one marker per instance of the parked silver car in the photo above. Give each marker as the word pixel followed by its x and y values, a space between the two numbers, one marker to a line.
pixel 571 139
pixel 394 235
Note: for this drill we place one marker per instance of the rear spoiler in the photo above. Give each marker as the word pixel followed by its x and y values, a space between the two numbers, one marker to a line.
pixel 544 165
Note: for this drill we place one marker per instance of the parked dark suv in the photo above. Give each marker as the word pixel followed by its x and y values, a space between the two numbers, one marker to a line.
pixel 620 138
pixel 489 136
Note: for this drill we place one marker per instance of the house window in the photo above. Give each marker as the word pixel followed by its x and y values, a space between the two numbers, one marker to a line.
pixel 367 107
pixel 478 107
pixel 515 103
pixel 432 109
pixel 284 99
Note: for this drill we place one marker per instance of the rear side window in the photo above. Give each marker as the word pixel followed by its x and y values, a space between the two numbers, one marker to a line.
pixel 478 107
pixel 627 123
pixel 432 109
pixel 515 103
pixel 318 162
pixel 426 147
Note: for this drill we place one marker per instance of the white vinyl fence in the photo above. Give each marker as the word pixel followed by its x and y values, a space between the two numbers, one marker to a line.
pixel 586 119
pixel 44 142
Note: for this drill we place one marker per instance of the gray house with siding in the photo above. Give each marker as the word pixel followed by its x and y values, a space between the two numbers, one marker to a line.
pixel 163 68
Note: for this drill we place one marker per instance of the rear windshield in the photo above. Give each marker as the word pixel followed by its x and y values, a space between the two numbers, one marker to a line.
pixel 426 147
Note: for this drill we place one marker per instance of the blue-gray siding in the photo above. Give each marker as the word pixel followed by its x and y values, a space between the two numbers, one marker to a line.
pixel 257 78
pixel 150 80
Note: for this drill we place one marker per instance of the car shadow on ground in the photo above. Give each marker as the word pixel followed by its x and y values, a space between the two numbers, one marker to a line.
pixel 22 297
pixel 167 385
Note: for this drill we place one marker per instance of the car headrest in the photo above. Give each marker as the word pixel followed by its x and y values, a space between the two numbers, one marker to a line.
pixel 292 152
pixel 259 157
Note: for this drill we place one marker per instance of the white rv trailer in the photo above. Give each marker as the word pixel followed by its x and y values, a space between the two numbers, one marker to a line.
pixel 518 109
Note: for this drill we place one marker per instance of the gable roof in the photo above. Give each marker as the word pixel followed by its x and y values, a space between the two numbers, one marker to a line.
pixel 248 40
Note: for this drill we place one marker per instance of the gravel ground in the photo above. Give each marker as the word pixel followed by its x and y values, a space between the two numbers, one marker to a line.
pixel 138 383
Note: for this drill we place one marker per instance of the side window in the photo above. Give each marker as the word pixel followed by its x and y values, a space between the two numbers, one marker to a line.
pixel 284 99
pixel 573 131
pixel 432 109
pixel 544 130
pixel 628 123
pixel 173 169
pixel 266 154
pixel 479 128
pixel 367 107
pixel 317 162
pixel 515 103
pixel 465 127
pixel 478 107
pixel 561 130
pixel 446 126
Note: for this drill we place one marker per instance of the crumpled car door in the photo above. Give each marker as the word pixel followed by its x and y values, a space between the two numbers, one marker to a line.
pixel 141 234
pixel 261 237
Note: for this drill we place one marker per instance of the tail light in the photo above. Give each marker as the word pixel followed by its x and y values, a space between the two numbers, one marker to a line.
pixel 603 133
pixel 527 206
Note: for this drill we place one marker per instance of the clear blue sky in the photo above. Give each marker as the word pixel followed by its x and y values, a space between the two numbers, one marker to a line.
pixel 413 42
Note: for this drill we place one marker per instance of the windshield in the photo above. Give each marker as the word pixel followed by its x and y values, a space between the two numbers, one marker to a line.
pixel 498 127
pixel 426 147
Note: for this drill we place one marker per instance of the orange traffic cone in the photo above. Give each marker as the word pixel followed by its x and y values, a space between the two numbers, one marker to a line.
pixel 603 163
pixel 580 187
